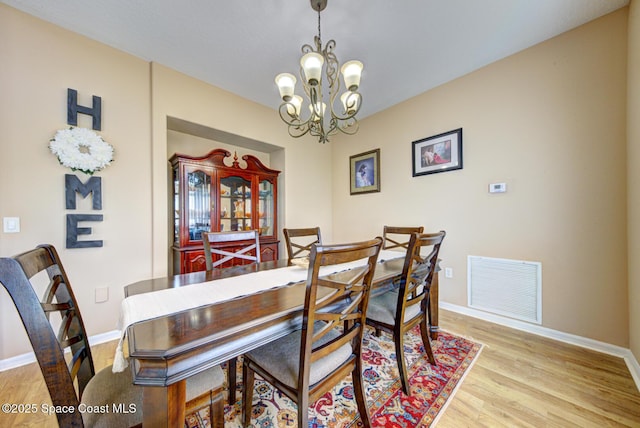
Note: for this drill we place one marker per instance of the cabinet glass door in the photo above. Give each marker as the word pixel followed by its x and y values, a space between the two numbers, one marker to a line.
pixel 266 208
pixel 176 208
pixel 235 204
pixel 198 204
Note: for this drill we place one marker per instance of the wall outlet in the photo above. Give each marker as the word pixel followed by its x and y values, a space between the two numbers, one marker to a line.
pixel 448 272
pixel 102 294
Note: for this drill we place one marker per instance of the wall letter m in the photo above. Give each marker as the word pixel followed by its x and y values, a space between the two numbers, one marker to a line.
pixel 73 185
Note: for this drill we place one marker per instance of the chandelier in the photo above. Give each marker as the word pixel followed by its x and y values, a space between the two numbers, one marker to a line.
pixel 320 66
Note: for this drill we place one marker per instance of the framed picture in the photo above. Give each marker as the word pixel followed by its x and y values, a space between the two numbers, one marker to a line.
pixel 439 153
pixel 365 172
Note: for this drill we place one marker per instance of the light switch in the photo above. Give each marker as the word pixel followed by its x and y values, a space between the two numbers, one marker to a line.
pixel 11 224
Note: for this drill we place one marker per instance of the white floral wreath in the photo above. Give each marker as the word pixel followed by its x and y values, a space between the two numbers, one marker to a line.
pixel 81 149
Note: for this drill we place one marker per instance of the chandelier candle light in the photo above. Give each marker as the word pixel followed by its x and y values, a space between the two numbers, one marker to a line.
pixel 312 65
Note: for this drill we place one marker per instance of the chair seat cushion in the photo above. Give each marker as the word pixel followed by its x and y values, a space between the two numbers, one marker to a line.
pixel 121 400
pixel 281 358
pixel 382 308
pixel 112 391
pixel 205 381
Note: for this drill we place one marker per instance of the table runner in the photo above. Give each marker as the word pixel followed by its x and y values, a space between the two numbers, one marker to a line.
pixel 146 306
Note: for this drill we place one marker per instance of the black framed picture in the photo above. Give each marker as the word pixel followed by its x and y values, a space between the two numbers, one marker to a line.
pixel 440 153
pixel 365 172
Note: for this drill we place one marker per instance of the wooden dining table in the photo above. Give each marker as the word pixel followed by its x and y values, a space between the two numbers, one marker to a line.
pixel 165 351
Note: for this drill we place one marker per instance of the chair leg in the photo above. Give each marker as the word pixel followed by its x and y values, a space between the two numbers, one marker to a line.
pixel 426 341
pixel 247 394
pixel 216 409
pixel 402 365
pixel 359 391
pixel 214 399
pixel 231 377
pixel 303 408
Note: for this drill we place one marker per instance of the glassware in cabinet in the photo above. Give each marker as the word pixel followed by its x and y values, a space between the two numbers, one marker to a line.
pixel 266 208
pixel 214 193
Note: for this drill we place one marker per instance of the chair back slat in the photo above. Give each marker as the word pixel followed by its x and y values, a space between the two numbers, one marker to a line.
pixel 15 275
pixel 76 362
pixel 299 241
pixel 55 307
pixel 244 246
pixel 398 236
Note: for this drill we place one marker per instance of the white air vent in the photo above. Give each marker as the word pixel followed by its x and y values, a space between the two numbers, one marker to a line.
pixel 512 288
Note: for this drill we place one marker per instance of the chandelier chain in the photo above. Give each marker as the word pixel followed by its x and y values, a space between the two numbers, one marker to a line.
pixel 319 30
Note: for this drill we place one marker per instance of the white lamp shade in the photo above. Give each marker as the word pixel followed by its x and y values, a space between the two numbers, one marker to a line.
pixel 294 110
pixel 351 72
pixel 286 84
pixel 350 101
pixel 312 63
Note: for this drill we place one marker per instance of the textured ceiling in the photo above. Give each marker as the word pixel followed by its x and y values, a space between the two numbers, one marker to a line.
pixel 407 46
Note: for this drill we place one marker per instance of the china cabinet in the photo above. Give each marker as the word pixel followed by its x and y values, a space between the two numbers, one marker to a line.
pixel 216 193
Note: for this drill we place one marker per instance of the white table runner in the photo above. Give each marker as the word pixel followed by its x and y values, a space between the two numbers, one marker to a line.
pixel 146 306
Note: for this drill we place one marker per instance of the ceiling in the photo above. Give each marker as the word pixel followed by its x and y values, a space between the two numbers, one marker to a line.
pixel 407 46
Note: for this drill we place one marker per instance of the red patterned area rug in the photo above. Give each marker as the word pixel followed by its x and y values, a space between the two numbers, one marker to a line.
pixel 432 387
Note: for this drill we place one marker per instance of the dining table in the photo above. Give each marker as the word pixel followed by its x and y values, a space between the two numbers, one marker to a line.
pixel 166 350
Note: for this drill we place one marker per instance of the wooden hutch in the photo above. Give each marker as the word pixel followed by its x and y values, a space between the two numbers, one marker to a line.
pixel 209 195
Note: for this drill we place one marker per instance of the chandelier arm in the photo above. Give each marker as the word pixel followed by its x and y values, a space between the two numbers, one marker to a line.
pixel 331 64
pixel 288 118
pixel 306 48
pixel 354 100
pixel 349 127
pixel 298 131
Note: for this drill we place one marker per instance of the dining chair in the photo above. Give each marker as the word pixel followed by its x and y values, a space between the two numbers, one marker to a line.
pixel 306 364
pixel 22 276
pixel 398 237
pixel 299 241
pixel 399 310
pixel 229 249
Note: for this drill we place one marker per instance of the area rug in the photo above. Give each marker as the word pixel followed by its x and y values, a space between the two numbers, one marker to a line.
pixel 432 387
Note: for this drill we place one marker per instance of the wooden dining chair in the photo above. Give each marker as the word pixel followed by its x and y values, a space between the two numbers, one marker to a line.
pixel 400 310
pixel 223 249
pixel 51 337
pixel 299 241
pixel 226 249
pixel 398 237
pixel 309 362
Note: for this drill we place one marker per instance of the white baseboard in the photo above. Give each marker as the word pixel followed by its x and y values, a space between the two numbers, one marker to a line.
pixel 29 357
pixel 584 342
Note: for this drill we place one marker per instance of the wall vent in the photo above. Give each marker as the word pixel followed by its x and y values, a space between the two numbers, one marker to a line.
pixel 512 288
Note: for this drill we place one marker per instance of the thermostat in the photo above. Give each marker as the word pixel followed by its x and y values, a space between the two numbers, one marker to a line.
pixel 497 187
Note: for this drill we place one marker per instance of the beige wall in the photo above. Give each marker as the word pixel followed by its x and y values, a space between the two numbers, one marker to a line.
pixel 550 122
pixel 39 62
pixel 193 145
pixel 633 176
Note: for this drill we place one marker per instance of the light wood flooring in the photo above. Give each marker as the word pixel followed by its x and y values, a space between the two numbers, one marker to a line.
pixel 519 380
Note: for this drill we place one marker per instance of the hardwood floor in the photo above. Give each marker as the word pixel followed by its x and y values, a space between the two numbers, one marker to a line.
pixel 519 380
pixel 525 380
